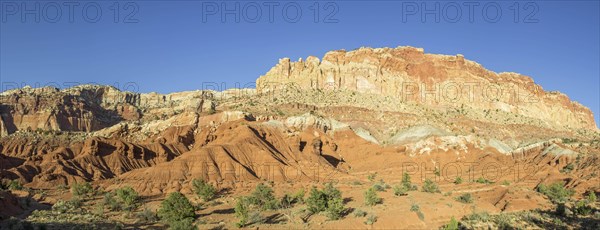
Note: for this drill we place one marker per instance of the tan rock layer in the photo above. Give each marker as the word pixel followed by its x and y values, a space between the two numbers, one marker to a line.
pixel 413 77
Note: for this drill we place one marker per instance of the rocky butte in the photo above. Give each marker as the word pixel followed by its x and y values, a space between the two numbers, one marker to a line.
pixel 408 75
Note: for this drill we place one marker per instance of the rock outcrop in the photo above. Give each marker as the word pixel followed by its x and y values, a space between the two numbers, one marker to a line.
pixel 410 76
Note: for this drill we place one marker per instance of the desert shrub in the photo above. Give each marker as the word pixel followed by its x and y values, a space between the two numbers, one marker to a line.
pixel 15 185
pixel 478 217
pixel 482 180
pixel 288 200
pixel 400 190
pixel 504 221
pixel 359 213
pixel 335 208
pixel 458 180
pixel 465 198
pixel 430 186
pixel 243 212
pixel 568 168
pixel 147 215
pixel 556 192
pixel 128 197
pixel 371 177
pixel 591 197
pixel 561 209
pixel 581 208
pixel 263 197
pixel 113 204
pixel 415 208
pixel 82 189
pixel 407 183
pixel 62 206
pixel 176 208
pixel 204 190
pixel 506 183
pixel 371 198
pixel 327 200
pixel 381 186
pixel 184 224
pixel 371 219
pixel 453 225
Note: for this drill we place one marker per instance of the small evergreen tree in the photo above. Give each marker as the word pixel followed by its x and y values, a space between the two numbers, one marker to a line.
pixel 176 208
pixel 204 190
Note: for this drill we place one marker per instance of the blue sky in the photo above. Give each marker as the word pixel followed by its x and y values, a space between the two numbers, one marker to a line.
pixel 180 45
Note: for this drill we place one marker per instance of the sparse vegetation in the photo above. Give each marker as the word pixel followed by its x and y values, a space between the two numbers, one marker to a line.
pixel 359 213
pixel 82 189
pixel 263 197
pixel 328 200
pixel 371 198
pixel 128 197
pixel 371 219
pixel 568 168
pixel 371 177
pixel 591 197
pixel 482 180
pixel 176 210
pixel 465 198
pixel 204 190
pixel 556 192
pixel 430 186
pixel 453 225
pixel 400 190
pixel 458 180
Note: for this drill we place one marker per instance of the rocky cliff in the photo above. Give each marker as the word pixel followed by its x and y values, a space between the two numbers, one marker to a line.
pixel 88 108
pixel 407 75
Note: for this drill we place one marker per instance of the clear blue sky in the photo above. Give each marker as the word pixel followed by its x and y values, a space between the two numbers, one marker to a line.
pixel 171 48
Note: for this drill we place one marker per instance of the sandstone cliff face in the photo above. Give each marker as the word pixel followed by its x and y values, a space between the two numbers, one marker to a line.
pixel 90 108
pixel 409 76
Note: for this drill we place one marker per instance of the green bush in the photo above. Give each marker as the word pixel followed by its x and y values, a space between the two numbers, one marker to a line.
pixel 415 208
pixel 400 190
pixel 453 225
pixel 147 215
pixel 430 187
pixel 185 224
pixel 204 190
pixel 591 197
pixel 113 204
pixel 556 192
pixel 335 209
pixel 465 198
pixel 371 219
pixel 407 183
pixel 371 177
pixel 327 200
pixel 371 198
pixel 82 189
pixel 482 180
pixel 289 200
pixel 381 186
pixel 582 208
pixel 359 213
pixel 263 197
pixel 458 180
pixel 128 197
pixel 241 211
pixel 568 168
pixel 175 208
pixel 15 185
